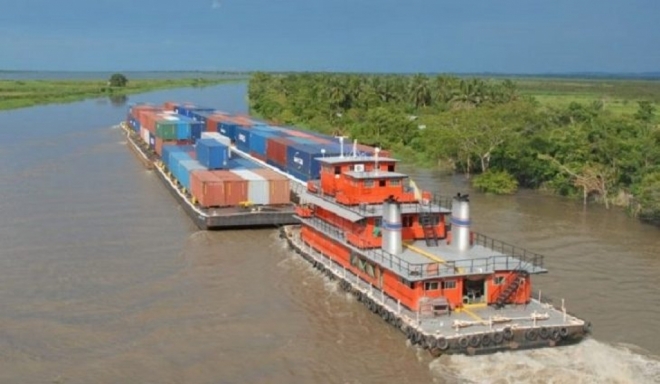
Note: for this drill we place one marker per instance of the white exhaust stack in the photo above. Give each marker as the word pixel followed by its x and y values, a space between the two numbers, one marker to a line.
pixel 341 146
pixel 460 222
pixel 392 240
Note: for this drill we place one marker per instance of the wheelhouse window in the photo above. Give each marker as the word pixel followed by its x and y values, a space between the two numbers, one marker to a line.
pixel 449 284
pixel 390 168
pixel 407 283
pixel 382 183
pixel 407 221
pixel 430 285
pixel 369 183
pixel 498 280
pixel 395 182
pixel 337 170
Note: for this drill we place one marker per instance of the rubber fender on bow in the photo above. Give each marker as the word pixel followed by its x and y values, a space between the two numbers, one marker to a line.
pixel 463 342
pixel 544 333
pixel 486 340
pixel 556 335
pixel 531 334
pixel 475 341
pixel 442 343
pixel 498 337
pixel 563 332
pixel 508 333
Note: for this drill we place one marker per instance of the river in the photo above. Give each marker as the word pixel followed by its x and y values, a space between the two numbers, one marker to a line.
pixel 104 279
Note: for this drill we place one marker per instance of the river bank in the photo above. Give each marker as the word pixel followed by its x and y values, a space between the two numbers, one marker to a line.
pixel 16 94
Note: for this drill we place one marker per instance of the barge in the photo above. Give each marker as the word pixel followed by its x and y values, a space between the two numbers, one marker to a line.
pixel 412 259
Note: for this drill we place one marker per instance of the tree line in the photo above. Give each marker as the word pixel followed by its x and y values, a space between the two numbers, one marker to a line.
pixel 482 127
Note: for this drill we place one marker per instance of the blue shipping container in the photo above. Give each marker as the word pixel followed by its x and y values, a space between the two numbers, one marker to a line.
pixel 184 168
pixel 242 139
pixel 228 129
pixel 196 130
pixel 169 150
pixel 212 154
pixel 183 130
pixel 301 158
pixel 259 141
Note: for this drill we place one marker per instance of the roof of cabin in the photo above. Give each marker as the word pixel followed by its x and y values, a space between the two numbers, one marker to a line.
pixel 353 159
pixel 375 175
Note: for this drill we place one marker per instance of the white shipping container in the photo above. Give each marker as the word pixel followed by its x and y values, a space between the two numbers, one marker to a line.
pixel 144 134
pixel 258 187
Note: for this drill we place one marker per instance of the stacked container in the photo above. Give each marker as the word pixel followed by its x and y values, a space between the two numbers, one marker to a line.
pixel 212 154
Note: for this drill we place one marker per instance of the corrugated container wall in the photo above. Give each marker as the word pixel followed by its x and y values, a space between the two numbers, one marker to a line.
pixel 184 170
pixel 276 150
pixel 235 187
pixel 242 138
pixel 212 154
pixel 259 141
pixel 207 189
pixel 278 186
pixel 301 159
pixel 257 186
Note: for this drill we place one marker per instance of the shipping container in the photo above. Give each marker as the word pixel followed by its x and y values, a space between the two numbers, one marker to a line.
pixel 170 105
pixel 281 167
pixel 170 149
pixel 302 158
pixel 235 188
pixel 144 135
pixel 241 163
pixel 184 169
pixel 196 129
pixel 182 130
pixel 207 188
pixel 213 121
pixel 279 187
pixel 258 141
pixel 217 137
pixel 242 138
pixel 166 129
pixel 257 186
pixel 276 150
pixel 212 154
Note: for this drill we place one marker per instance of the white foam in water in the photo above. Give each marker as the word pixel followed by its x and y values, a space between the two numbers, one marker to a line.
pixel 588 362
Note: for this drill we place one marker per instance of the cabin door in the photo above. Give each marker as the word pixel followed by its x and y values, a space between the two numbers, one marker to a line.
pixel 474 290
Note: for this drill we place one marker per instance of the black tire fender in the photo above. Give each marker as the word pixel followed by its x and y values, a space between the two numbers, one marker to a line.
pixel 531 334
pixel 544 332
pixel 442 344
pixel 475 341
pixel 563 332
pixel 463 342
pixel 498 337
pixel 486 340
pixel 508 333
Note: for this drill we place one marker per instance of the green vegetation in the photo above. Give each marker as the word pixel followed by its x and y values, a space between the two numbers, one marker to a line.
pixel 27 93
pixel 118 80
pixel 497 182
pixel 595 139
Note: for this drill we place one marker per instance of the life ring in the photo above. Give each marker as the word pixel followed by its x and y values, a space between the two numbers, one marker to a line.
pixel 531 335
pixel 463 342
pixel 544 333
pixel 498 337
pixel 508 333
pixel 563 332
pixel 485 340
pixel 475 341
pixel 442 343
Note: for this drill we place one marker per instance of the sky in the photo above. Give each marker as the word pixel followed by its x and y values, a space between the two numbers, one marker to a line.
pixel 429 36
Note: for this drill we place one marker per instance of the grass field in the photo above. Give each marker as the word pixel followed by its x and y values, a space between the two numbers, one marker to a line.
pixel 618 96
pixel 27 93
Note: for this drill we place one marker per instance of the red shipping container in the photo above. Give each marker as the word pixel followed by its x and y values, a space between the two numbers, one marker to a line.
pixel 236 188
pixel 276 149
pixel 169 105
pixel 278 186
pixel 208 189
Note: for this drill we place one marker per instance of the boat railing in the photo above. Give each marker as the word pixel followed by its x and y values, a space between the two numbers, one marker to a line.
pixel 523 255
pixel 423 270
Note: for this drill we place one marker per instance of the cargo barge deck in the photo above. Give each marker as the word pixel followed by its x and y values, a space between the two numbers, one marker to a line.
pixel 211 218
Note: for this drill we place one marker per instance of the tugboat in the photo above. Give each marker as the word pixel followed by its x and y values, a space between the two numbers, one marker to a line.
pixel 418 265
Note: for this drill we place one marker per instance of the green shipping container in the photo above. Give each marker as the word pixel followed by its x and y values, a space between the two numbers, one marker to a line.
pixel 166 130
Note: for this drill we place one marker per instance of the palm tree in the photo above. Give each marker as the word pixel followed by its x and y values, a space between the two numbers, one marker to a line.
pixel 420 94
